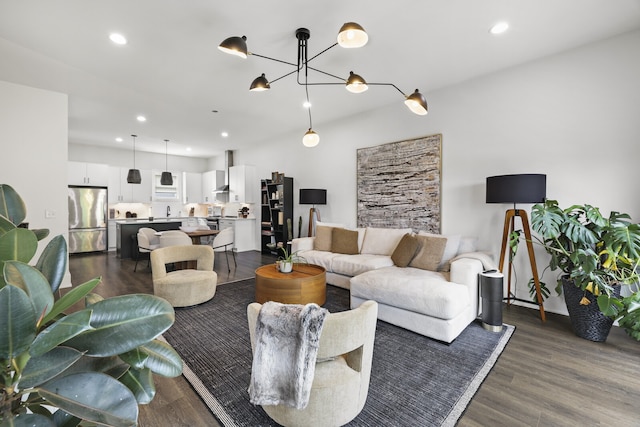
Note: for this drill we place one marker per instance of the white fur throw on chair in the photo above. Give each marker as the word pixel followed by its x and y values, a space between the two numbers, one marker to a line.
pixel 287 339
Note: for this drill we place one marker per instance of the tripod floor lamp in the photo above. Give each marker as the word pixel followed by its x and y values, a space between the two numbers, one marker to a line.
pixel 313 196
pixel 521 188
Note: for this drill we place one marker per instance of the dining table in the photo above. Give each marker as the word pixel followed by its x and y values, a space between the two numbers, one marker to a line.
pixel 196 235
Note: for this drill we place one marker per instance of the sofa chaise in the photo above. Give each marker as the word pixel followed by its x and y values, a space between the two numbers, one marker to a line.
pixel 423 282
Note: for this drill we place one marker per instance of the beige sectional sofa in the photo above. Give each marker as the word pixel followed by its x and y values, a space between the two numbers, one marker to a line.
pixel 422 282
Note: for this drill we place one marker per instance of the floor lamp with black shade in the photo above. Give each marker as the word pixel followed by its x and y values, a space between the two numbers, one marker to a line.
pixel 313 196
pixel 519 188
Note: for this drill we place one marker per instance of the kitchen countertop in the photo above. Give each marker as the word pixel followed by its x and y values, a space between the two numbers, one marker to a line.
pixel 176 219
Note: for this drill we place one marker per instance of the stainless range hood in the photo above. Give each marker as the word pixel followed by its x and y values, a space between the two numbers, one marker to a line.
pixel 228 162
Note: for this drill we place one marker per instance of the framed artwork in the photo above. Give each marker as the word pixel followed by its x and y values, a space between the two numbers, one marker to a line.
pixel 399 184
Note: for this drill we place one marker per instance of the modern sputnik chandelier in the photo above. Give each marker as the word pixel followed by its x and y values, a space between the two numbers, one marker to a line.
pixel 351 35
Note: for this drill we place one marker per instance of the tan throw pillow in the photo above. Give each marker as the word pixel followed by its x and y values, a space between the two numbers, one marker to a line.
pixel 406 249
pixel 430 252
pixel 344 241
pixel 322 242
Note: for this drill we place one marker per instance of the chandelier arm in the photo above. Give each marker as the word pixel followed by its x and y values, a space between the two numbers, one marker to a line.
pixel 388 84
pixel 321 52
pixel 325 73
pixel 282 77
pixel 272 59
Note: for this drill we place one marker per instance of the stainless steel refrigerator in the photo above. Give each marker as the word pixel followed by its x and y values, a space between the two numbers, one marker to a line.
pixel 87 219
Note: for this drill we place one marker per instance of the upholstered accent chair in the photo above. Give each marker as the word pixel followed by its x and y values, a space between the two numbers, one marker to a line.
pixel 343 369
pixel 188 286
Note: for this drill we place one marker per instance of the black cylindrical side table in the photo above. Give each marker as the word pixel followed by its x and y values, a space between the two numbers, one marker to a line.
pixel 491 292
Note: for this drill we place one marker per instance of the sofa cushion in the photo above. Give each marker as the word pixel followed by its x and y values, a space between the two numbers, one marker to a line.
pixel 450 250
pixel 420 291
pixel 429 254
pixel 406 249
pixel 344 241
pixel 321 258
pixel 352 265
pixel 322 241
pixel 382 241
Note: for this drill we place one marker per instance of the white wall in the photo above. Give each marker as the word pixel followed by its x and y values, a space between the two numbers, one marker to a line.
pixel 572 116
pixel 33 135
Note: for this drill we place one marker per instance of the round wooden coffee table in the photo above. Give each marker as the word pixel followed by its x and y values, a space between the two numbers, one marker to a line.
pixel 304 285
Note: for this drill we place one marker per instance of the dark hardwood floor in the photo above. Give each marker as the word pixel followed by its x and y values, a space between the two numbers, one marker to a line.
pixel 545 377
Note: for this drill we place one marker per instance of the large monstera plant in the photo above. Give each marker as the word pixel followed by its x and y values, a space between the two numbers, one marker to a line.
pixel 90 367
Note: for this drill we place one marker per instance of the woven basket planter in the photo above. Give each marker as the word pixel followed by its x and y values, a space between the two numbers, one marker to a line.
pixel 587 321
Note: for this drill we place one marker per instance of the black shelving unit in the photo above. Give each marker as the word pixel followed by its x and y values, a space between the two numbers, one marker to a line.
pixel 277 208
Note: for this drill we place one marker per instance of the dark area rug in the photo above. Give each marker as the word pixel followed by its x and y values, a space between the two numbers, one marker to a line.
pixel 414 381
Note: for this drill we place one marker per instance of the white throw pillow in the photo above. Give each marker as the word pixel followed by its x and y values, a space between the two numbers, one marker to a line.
pixel 382 241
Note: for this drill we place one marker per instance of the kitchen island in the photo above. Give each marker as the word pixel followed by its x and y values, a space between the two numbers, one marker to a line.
pixel 127 230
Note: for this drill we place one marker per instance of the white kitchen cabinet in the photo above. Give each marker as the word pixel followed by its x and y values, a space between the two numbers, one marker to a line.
pixel 210 181
pixel 120 191
pixel 244 231
pixel 243 184
pixel 192 187
pixel 81 173
pixel 111 236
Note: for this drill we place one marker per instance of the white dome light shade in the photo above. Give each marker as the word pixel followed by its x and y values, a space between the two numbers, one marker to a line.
pixel 356 84
pixel 352 35
pixel 310 139
pixel 235 46
pixel 118 38
pixel 417 103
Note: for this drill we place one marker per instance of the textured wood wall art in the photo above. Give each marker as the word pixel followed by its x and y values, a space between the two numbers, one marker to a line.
pixel 399 184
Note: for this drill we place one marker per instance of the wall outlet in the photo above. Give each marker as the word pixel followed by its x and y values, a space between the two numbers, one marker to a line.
pixel 49 214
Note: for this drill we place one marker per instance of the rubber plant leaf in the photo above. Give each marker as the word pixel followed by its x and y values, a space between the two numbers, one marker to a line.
pixel 17 322
pixel 70 298
pixel 29 420
pixel 123 323
pixel 94 397
pixel 53 262
pixel 140 382
pixel 64 329
pixel 18 244
pixel 41 369
pixel 12 206
pixel 30 280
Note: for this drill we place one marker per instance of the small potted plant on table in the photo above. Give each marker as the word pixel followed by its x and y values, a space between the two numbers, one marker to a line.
pixel 285 262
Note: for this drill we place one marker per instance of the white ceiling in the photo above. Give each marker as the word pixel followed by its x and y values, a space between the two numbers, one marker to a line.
pixel 172 72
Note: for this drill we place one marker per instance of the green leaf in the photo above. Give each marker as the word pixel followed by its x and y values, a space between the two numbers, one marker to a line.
pixel 43 368
pixel 17 322
pixel 53 262
pixel 123 323
pixel 28 420
pixel 61 331
pixel 70 298
pixel 5 225
pixel 30 280
pixel 65 419
pixel 156 355
pixel 93 397
pixel 140 382
pixel 18 244
pixel 12 206
pixel 546 219
pixel 40 233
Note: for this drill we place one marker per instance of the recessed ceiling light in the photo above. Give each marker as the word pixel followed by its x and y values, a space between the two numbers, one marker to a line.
pixel 225 134
pixel 141 118
pixel 306 104
pixel 118 38
pixel 118 139
pixel 499 28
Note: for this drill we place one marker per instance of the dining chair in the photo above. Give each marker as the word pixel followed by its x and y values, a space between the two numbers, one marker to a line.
pixel 147 242
pixel 224 241
pixel 174 238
